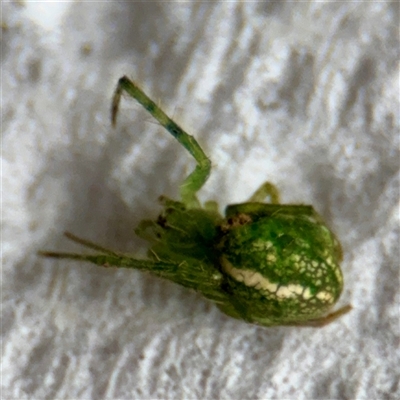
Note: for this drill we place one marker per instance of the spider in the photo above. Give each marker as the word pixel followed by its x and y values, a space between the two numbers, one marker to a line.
pixel 264 263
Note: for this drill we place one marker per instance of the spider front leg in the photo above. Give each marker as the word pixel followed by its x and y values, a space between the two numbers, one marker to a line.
pixel 194 274
pixel 110 258
pixel 199 176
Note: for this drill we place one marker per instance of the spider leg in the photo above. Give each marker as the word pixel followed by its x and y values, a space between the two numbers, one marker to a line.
pixel 202 170
pixel 327 319
pixel 109 258
pixel 267 189
pixel 193 276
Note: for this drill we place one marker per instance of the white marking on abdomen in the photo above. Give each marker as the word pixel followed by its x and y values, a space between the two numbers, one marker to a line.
pixel 259 282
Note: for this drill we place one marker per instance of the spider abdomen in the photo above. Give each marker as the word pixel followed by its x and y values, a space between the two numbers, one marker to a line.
pixel 282 266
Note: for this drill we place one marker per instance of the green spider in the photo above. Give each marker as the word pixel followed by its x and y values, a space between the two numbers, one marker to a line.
pixel 267 264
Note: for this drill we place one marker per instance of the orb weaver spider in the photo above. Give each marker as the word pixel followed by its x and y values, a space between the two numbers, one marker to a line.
pixel 264 263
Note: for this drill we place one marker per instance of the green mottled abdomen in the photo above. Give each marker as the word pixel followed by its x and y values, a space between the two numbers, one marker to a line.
pixel 281 266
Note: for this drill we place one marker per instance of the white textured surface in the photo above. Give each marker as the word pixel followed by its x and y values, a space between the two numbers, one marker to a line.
pixel 305 95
